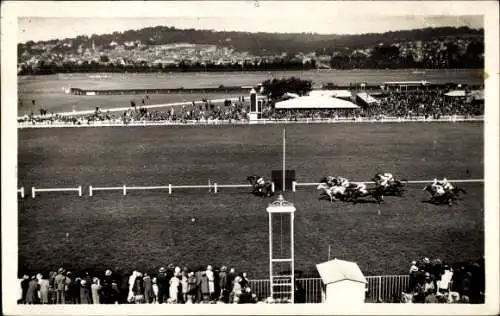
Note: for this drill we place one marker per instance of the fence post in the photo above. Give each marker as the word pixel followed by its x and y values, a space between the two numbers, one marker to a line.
pixel 90 190
pixel 79 190
pixel 272 186
pixel 293 186
pixel 33 192
pixel 169 188
pixel 22 192
pixel 379 288
pixel 124 189
pixel 215 187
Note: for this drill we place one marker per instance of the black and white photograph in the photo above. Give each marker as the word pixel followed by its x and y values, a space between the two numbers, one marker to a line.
pixel 316 157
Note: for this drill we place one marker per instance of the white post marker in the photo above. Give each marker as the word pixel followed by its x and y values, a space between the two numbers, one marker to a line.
pixel 33 192
pixel 169 188
pixel 22 192
pixel 124 189
pixel 215 187
pixel 90 190
pixel 272 186
pixel 294 184
pixel 283 183
pixel 79 190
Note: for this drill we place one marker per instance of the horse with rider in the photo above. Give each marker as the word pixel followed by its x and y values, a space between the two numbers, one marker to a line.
pixel 388 184
pixel 443 192
pixel 340 188
pixel 260 186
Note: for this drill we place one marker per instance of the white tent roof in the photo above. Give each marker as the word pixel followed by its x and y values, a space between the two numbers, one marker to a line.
pixel 315 102
pixel 338 270
pixel 331 93
pixel 291 95
pixel 456 93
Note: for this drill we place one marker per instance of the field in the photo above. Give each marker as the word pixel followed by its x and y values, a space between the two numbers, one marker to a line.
pixel 49 90
pixel 148 229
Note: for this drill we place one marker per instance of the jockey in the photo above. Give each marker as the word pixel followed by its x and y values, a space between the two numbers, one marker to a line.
pixel 361 187
pixel 260 181
pixel 330 180
pixel 386 179
pixel 342 182
pixel 446 185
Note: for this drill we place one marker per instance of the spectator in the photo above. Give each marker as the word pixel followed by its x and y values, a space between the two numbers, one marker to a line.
pixel 155 291
pixel 223 284
pixel 44 289
pixel 163 284
pixel 32 293
pixel 74 291
pixel 237 290
pixel 174 289
pixel 211 282
pixel 192 288
pixel 184 286
pixel 85 297
pixel 24 288
pixel 95 289
pixel 204 286
pixel 138 289
pixel 60 286
pixel 148 289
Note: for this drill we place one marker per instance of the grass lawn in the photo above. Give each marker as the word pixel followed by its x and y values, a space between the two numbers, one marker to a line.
pixel 146 230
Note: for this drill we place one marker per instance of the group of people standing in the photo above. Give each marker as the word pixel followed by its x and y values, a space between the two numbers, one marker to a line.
pixel 171 285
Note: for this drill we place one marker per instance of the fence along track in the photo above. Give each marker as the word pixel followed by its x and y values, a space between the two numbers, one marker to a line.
pixel 380 288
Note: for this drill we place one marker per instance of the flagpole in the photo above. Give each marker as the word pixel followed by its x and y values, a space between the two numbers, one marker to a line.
pixel 284 144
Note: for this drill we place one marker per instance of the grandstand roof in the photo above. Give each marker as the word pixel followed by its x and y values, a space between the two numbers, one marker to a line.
pixel 315 102
pixel 339 270
pixel 331 93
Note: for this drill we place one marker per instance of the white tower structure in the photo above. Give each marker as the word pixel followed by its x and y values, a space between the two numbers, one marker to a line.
pixel 281 252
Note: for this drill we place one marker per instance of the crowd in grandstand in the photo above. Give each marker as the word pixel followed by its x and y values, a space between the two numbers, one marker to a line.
pixel 436 282
pixel 428 102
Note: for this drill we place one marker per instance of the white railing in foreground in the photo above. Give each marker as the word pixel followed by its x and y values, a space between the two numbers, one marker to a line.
pixel 21 190
pixel 78 189
pixel 310 184
pixel 171 187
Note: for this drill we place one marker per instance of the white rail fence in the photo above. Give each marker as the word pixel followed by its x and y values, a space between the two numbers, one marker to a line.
pixel 295 184
pixel 35 190
pixel 212 187
pixel 379 288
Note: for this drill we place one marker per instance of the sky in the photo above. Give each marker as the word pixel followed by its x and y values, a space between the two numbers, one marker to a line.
pixel 289 17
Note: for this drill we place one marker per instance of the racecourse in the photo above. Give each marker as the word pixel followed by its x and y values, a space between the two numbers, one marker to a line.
pixel 49 90
pixel 147 229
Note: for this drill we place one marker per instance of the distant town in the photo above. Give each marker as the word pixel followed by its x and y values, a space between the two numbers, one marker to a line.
pixel 165 50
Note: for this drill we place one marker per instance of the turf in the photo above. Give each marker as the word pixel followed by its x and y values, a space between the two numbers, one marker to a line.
pixel 145 230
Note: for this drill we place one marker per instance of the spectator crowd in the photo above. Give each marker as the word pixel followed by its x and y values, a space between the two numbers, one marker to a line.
pixel 437 282
pixel 427 103
pixel 171 285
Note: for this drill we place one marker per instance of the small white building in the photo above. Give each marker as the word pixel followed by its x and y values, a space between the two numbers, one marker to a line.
pixel 343 282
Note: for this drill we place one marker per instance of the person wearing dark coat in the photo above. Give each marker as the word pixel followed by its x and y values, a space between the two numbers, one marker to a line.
pixel 74 291
pixel 223 285
pixel 85 296
pixel 25 284
pixel 124 288
pixel 163 285
pixel 106 287
pixel 148 289
pixel 138 289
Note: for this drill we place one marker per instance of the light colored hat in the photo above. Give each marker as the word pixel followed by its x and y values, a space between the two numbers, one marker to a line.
pixel 427 275
pixel 108 272
pixel 209 267
pixel 426 260
pixel 413 262
pixel 83 282
pixel 413 269
pixel 223 269
pixel 162 269
pixel 177 270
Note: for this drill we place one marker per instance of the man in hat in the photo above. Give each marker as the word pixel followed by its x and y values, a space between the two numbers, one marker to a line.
pixel 163 284
pixel 60 285
pixel 413 277
pixel 223 284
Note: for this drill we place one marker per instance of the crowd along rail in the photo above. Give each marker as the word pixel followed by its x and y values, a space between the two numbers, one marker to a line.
pixel 296 184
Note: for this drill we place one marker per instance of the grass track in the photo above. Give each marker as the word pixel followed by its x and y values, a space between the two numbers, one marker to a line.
pixel 150 229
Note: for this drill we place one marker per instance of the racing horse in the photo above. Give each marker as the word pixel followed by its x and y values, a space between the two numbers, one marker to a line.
pixel 263 190
pixel 332 192
pixel 395 188
pixel 353 194
pixel 448 197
